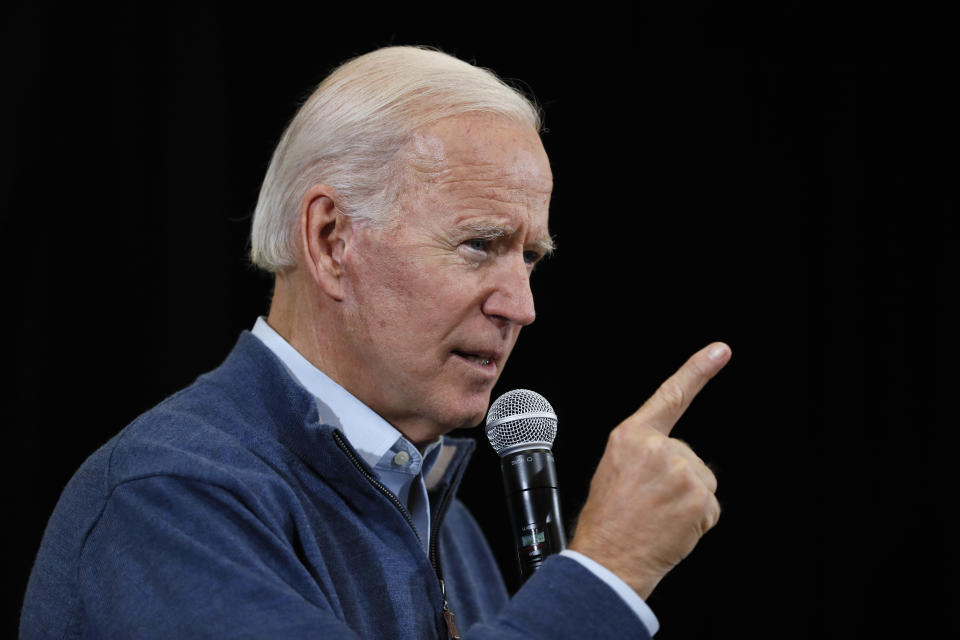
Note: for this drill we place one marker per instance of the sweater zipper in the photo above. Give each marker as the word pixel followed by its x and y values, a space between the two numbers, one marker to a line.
pixel 448 615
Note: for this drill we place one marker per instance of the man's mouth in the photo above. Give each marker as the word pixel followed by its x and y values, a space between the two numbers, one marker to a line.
pixel 481 359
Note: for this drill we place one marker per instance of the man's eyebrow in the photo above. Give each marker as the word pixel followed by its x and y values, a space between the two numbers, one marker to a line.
pixel 485 230
pixel 492 231
pixel 545 246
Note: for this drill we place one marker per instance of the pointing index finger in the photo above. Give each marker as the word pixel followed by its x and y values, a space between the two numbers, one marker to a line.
pixel 672 398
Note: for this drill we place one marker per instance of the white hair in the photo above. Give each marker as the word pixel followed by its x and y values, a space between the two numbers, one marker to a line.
pixel 348 133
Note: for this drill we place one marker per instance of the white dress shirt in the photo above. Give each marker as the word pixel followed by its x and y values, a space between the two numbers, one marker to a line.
pixel 397 463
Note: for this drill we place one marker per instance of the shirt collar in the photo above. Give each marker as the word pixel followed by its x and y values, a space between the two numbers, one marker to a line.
pixel 368 433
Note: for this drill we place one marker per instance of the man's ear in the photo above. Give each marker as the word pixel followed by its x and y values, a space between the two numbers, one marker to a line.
pixel 324 234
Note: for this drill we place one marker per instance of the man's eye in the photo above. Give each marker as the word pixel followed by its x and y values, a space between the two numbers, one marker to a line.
pixel 478 244
pixel 531 257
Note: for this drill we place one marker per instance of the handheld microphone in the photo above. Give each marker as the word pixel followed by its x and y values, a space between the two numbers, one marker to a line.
pixel 521 426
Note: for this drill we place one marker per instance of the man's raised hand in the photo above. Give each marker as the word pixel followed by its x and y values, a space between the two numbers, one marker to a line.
pixel 652 497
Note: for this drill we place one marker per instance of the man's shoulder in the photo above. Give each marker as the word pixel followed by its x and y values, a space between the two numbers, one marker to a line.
pixel 221 431
pixel 227 418
pixel 224 425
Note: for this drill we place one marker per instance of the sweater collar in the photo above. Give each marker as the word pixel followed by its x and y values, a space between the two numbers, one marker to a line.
pixel 287 412
pixel 368 433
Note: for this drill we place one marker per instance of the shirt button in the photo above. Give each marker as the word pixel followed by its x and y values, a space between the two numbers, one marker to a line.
pixel 401 458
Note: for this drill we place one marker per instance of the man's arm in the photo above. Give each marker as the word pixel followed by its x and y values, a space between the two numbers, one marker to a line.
pixel 174 557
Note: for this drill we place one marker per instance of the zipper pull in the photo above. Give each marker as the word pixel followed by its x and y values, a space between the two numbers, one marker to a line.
pixel 448 616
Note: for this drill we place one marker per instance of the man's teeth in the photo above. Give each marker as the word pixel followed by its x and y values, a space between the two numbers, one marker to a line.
pixel 478 359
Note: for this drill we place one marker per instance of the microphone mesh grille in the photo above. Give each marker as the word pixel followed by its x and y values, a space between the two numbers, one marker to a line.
pixel 510 428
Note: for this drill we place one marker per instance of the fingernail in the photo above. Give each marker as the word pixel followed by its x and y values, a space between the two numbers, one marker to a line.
pixel 718 352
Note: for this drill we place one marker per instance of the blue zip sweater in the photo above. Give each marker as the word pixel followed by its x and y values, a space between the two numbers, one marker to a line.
pixel 229 511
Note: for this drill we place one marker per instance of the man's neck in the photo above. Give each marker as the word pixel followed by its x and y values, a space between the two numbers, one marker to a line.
pixel 306 324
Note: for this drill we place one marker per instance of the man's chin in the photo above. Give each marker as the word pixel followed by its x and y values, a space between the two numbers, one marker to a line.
pixel 469 419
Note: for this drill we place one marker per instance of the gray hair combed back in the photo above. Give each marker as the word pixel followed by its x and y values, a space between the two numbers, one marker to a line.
pixel 348 133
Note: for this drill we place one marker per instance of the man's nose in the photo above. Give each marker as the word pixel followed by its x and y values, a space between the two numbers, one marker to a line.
pixel 512 299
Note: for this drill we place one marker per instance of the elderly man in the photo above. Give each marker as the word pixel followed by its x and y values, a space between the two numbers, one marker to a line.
pixel 305 488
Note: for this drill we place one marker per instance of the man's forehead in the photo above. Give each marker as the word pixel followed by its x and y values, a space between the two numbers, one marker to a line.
pixel 481 176
pixel 480 147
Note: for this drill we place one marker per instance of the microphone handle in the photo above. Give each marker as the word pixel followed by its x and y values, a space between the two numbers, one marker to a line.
pixel 533 503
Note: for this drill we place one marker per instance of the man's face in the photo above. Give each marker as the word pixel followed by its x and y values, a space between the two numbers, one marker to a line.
pixel 435 306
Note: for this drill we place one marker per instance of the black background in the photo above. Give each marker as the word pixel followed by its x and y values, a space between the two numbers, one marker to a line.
pixel 773 175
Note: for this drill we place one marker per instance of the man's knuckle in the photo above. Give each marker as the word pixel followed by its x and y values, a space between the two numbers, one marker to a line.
pixel 712 512
pixel 672 394
pixel 681 474
pixel 711 479
pixel 704 493
pixel 697 368
pixel 618 437
pixel 654 445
